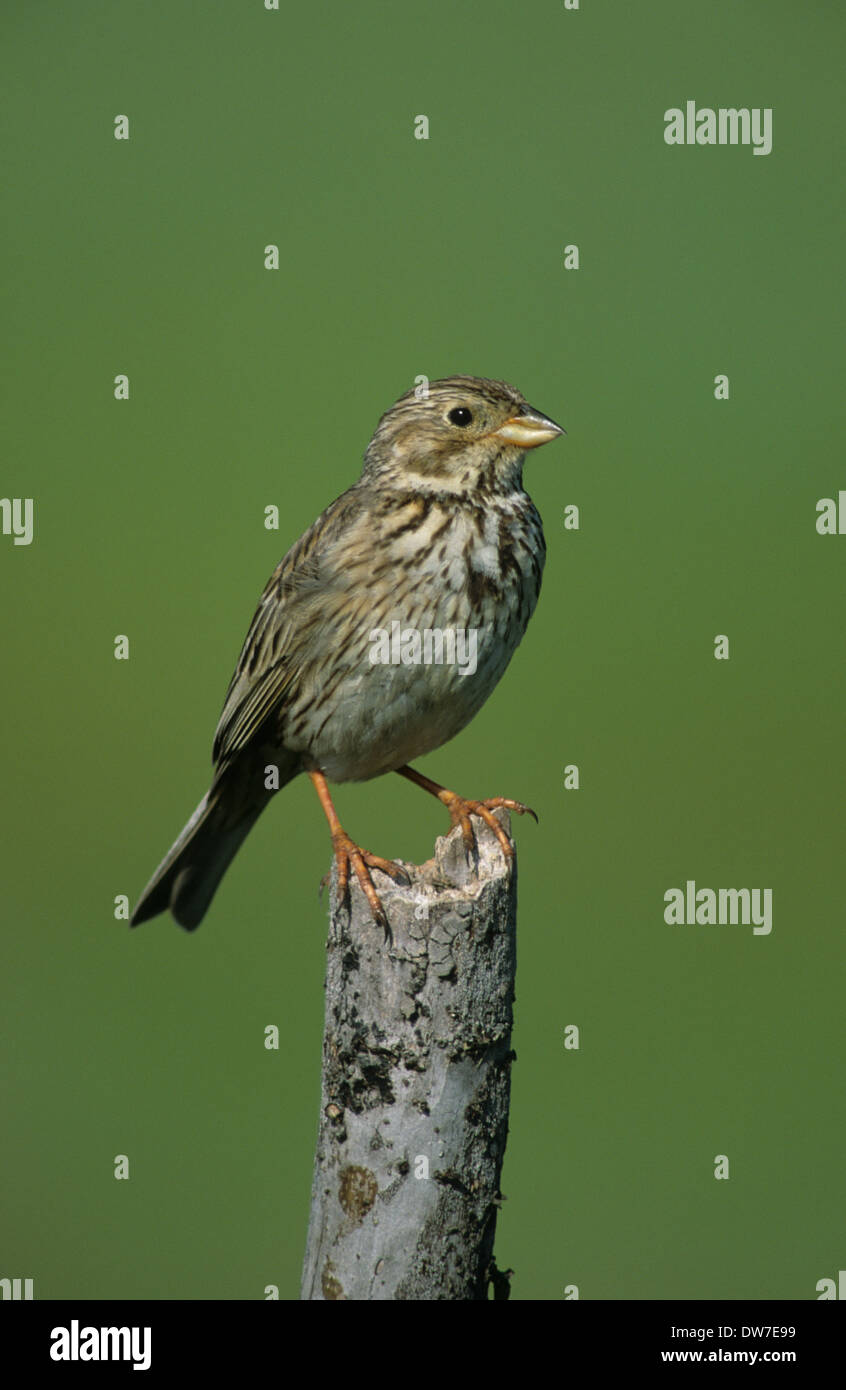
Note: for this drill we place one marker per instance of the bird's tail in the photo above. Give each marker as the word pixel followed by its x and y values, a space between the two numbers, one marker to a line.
pixel 188 876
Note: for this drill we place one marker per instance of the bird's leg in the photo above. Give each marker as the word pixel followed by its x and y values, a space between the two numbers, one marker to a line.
pixel 347 852
pixel 460 810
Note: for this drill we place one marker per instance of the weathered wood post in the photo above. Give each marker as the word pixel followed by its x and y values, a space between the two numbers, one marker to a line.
pixel 416 1083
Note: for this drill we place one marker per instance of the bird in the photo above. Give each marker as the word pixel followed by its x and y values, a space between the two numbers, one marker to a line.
pixel 379 635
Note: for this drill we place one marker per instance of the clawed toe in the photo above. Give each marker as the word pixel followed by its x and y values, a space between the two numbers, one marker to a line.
pixel 460 811
pixel 349 854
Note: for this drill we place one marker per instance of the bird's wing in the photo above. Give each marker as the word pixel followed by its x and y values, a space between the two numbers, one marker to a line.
pixel 285 625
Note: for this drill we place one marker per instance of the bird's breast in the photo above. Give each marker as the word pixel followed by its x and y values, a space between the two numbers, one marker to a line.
pixel 437 609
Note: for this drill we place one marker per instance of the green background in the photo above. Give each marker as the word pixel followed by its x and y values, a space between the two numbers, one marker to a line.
pixel 249 388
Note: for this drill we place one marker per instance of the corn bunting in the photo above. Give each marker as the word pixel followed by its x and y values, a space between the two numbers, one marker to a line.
pixel 379 635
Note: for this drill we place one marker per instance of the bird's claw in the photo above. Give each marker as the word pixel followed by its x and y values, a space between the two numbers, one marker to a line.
pixel 348 853
pixel 461 809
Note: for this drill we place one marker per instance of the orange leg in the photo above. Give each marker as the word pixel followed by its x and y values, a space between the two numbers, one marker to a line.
pixel 347 853
pixel 460 810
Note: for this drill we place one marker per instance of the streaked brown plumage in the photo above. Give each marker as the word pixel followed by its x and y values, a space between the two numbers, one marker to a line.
pixel 438 533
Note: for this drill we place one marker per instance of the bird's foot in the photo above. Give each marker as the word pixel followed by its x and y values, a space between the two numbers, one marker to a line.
pixel 348 854
pixel 461 809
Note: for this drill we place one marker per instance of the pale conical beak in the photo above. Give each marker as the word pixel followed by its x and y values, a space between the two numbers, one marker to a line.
pixel 528 429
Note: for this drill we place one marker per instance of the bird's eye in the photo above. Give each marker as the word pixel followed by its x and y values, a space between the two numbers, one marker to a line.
pixel 460 416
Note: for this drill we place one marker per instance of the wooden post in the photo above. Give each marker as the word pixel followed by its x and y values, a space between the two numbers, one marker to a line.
pixel 416 1083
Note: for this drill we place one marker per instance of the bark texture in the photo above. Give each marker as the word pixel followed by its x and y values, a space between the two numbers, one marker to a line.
pixel 416 1083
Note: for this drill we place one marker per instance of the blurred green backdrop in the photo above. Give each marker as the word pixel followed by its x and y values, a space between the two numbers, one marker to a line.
pixel 250 387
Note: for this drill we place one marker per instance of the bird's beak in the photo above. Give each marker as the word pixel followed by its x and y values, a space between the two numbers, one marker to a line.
pixel 528 429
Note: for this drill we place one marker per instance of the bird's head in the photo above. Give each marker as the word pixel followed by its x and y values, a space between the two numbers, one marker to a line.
pixel 462 435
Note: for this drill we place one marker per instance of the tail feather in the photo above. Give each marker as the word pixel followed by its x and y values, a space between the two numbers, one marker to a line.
pixel 187 878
